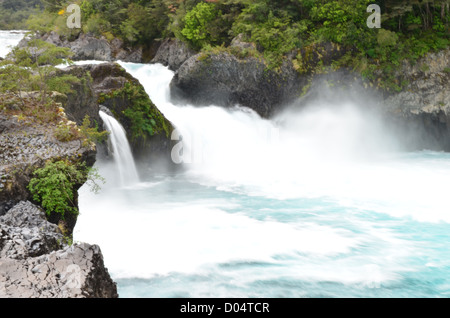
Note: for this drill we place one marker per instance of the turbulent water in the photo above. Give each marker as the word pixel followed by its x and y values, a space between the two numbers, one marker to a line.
pixel 9 39
pixel 317 202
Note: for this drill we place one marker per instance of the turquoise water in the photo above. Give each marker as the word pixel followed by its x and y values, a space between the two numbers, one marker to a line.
pixel 184 239
pixel 317 202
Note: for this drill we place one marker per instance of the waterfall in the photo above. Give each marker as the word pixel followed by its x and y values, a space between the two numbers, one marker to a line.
pixel 121 150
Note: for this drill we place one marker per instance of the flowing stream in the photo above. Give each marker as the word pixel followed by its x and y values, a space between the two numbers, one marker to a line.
pixel 317 202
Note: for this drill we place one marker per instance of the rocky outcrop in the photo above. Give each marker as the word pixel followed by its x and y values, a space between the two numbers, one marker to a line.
pixel 82 100
pixel 227 80
pixel 240 75
pixel 26 146
pixel 422 109
pixel 35 261
pixel 173 53
pixel 25 233
pixel 88 47
pixel 127 100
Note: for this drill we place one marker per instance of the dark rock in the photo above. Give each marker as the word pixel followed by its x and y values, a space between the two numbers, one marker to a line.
pixel 422 109
pixel 82 100
pixel 173 53
pixel 226 80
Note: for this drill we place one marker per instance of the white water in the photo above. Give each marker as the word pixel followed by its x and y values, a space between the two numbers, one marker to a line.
pixel 121 151
pixel 317 202
pixel 9 39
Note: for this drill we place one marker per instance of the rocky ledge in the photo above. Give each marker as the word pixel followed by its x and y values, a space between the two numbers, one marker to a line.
pixel 89 47
pixel 423 107
pixel 36 262
pixel 36 259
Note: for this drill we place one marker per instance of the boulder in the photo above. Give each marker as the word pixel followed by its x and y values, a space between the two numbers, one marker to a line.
pixel 173 53
pixel 36 261
pixel 25 232
pixel 226 80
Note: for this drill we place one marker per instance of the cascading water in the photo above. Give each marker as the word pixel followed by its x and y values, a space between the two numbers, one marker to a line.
pixel 310 204
pixel 320 202
pixel 9 39
pixel 121 151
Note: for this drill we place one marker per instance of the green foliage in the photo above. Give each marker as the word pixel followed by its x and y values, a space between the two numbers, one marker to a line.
pixel 14 13
pixel 14 79
pixel 279 29
pixel 65 132
pixel 145 117
pixel 386 38
pixel 199 24
pixel 34 67
pixel 91 133
pixel 53 186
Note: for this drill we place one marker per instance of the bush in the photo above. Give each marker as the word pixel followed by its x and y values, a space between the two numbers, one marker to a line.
pixel 55 185
pixel 198 28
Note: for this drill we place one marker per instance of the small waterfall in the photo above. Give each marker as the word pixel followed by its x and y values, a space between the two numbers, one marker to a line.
pixel 121 150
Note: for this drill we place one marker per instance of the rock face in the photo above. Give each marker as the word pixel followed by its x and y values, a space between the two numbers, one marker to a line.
pixel 82 100
pixel 27 233
pixel 173 53
pixel 240 75
pixel 26 146
pixel 423 108
pixel 36 262
pixel 226 80
pixel 89 47
pixel 118 91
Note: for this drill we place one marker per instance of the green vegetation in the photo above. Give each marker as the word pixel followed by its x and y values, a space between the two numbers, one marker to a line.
pixel 33 68
pixel 144 117
pixel 285 29
pixel 14 13
pixel 54 186
pixel 91 133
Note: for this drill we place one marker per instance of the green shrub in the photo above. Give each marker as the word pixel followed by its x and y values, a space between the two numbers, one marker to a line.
pixel 199 26
pixel 65 133
pixel 55 185
pixel 386 38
